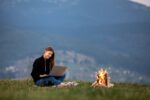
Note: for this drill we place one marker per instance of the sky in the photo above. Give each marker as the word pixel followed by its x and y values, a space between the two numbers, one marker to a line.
pixel 86 35
pixel 144 2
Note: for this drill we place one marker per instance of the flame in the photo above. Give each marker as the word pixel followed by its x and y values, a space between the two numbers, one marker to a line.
pixel 102 79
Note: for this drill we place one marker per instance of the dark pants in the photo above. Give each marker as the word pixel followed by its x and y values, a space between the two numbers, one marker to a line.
pixel 50 80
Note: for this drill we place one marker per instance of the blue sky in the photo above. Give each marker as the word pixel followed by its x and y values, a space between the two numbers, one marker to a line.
pixel 144 2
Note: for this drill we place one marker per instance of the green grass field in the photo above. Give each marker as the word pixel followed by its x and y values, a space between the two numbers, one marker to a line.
pixel 26 90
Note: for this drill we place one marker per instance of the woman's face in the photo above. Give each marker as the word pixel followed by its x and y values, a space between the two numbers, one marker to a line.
pixel 47 54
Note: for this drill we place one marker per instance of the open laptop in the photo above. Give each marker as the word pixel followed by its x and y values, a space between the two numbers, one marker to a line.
pixel 58 70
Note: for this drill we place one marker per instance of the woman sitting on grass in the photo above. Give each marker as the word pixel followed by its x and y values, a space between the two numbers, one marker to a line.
pixel 42 67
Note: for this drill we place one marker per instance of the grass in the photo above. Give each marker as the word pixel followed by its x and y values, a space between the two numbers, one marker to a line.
pixel 26 90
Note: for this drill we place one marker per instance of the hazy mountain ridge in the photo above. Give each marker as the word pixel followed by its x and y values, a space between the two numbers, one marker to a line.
pixel 113 32
pixel 85 12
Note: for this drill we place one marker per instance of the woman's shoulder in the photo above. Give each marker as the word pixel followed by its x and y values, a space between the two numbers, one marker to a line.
pixel 38 59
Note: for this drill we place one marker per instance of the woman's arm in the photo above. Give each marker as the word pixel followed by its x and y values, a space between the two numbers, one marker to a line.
pixel 35 71
pixel 43 75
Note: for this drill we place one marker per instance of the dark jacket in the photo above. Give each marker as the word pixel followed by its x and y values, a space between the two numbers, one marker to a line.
pixel 40 66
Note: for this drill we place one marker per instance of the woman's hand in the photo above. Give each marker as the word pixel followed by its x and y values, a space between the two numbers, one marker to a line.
pixel 43 75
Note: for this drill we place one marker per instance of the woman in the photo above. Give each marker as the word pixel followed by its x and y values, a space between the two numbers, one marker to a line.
pixel 42 67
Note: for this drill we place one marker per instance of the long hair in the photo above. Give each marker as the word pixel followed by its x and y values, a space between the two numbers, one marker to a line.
pixel 52 58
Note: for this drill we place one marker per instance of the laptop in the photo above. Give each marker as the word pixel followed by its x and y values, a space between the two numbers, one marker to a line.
pixel 58 71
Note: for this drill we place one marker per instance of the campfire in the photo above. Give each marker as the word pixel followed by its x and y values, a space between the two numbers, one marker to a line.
pixel 102 79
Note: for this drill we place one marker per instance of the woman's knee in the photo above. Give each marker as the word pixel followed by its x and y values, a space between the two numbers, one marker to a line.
pixel 39 82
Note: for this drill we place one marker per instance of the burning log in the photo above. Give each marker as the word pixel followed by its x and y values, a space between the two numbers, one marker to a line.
pixel 102 79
